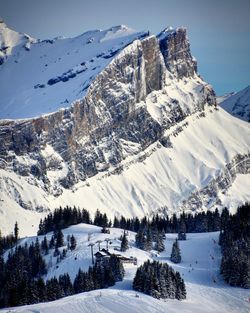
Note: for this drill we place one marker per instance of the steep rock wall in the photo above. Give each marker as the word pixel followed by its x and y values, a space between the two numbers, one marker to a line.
pixel 89 135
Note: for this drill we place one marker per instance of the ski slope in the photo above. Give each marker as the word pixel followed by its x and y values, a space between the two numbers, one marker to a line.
pixel 206 291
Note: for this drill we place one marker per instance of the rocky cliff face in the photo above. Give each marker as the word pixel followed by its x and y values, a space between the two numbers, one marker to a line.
pixel 175 49
pixel 210 196
pixel 108 114
pixel 150 88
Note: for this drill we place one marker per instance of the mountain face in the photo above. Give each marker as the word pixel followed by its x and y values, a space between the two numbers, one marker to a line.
pixel 44 76
pixel 238 104
pixel 143 133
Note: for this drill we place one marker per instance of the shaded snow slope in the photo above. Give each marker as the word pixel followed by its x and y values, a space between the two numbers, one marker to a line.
pixel 206 291
pixel 40 77
pixel 222 98
pixel 201 147
pixel 238 104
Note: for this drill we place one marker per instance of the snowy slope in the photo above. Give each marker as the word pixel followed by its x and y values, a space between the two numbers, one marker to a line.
pixel 206 291
pixel 157 177
pixel 44 76
pixel 238 104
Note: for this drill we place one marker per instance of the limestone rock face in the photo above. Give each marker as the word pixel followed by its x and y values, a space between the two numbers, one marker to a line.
pixel 175 48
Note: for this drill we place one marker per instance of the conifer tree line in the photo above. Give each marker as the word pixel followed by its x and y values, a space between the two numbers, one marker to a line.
pixel 148 239
pixel 191 223
pixel 9 241
pixel 185 223
pixel 62 218
pixel 235 246
pixel 159 280
pixel 21 276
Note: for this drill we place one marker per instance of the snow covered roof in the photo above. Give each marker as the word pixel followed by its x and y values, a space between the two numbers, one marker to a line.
pixel 102 253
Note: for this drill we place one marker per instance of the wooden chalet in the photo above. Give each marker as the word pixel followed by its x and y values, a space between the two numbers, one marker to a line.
pixel 103 255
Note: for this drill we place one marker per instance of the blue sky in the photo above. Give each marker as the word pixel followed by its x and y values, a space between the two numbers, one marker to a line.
pixel 219 30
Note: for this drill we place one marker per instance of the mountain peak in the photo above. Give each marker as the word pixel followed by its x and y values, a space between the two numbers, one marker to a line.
pixel 10 40
pixel 169 30
pixel 119 27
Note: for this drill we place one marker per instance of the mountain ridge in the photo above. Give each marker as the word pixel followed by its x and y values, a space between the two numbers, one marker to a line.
pixel 238 104
pixel 147 106
pixel 50 64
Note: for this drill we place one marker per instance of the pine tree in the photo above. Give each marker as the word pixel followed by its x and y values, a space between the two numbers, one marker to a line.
pixel 54 290
pixel 182 236
pixel 59 238
pixel 139 239
pixel 124 242
pixel 41 290
pixel 16 232
pixel 159 280
pixel 79 282
pixel 72 243
pixel 108 276
pixel 56 252
pixel 52 242
pixel 66 285
pixel 44 246
pixel 180 292
pixel 149 240
pixel 159 245
pixel 234 241
pixel 116 267
pixel 245 273
pixel 41 229
pixel 175 254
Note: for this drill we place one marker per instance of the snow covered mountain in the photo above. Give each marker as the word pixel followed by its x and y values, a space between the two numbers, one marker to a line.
pixel 144 136
pixel 38 77
pixel 238 104
pixel 200 268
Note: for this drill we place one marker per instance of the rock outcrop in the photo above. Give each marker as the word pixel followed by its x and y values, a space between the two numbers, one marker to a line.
pixel 175 49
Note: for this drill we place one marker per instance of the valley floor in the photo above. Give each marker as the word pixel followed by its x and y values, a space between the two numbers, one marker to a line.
pixel 206 291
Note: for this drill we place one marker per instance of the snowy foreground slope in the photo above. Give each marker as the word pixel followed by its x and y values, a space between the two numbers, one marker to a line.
pixel 206 291
pixel 238 104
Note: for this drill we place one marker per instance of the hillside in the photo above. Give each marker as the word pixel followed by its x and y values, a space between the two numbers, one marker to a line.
pixel 238 104
pixel 162 177
pixel 206 291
